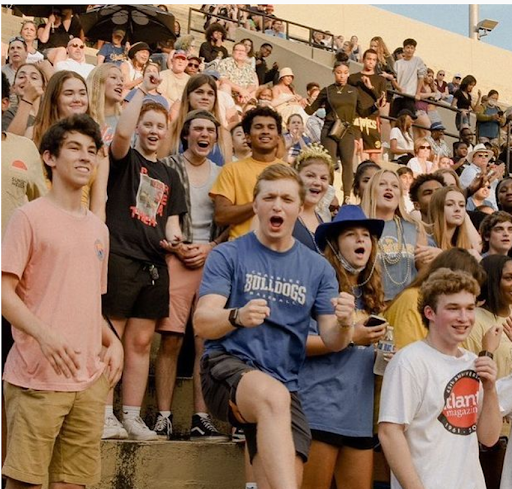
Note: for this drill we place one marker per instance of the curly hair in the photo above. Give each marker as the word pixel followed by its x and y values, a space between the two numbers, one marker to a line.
pixel 488 224
pixel 372 291
pixel 216 27
pixel 444 282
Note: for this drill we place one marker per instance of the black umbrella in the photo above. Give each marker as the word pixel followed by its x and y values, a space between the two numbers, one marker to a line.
pixel 141 22
pixel 47 10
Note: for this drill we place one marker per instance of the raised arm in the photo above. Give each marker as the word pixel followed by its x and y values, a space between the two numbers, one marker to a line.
pixel 129 117
pixel 336 329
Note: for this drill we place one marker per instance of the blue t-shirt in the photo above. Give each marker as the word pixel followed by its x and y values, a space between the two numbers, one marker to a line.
pixel 297 284
pixel 112 53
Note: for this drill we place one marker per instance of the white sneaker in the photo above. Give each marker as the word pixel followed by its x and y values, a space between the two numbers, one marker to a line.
pixel 113 429
pixel 137 429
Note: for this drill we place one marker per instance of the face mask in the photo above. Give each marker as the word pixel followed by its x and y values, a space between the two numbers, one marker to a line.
pixel 491 102
pixel 320 113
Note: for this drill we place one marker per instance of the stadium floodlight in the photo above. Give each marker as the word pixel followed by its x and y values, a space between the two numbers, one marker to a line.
pixel 485 26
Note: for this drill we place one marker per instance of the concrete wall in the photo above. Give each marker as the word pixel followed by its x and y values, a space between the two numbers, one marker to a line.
pixel 440 49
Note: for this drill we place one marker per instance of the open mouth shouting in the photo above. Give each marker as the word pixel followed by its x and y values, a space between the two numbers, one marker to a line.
pixel 276 223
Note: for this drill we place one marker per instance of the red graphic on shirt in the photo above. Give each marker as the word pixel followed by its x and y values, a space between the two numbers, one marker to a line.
pixel 19 164
pixel 460 410
pixel 152 197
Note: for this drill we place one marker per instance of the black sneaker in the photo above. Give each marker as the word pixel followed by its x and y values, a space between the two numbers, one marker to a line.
pixel 163 426
pixel 203 430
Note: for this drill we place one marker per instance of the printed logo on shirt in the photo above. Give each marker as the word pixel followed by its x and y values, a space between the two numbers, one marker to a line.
pixel 276 289
pixel 100 249
pixel 151 199
pixel 391 247
pixel 460 410
pixel 20 165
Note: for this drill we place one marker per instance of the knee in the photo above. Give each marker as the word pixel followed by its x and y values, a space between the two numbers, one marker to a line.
pixel 138 344
pixel 275 401
pixel 170 345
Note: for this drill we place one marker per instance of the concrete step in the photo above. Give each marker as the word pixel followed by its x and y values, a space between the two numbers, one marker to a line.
pixel 171 465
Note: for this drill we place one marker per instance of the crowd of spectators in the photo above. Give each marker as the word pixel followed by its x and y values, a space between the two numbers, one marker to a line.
pixel 184 136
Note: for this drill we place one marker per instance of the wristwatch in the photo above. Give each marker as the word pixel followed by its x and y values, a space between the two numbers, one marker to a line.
pixel 485 353
pixel 233 318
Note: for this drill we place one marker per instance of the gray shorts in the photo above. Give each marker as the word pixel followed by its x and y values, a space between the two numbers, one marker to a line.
pixel 220 375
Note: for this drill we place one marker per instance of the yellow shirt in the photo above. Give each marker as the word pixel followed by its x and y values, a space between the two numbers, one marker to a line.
pixel 236 183
pixel 405 318
pixel 502 356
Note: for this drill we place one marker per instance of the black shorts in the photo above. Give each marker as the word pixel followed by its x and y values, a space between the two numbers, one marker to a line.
pixel 356 442
pixel 7 340
pixel 220 375
pixel 132 290
pixel 368 129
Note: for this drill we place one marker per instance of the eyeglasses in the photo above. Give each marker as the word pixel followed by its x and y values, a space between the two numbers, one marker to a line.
pixel 424 147
pixel 193 65
pixel 81 46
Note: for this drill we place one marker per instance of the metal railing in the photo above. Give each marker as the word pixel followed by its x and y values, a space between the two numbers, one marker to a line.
pixel 287 23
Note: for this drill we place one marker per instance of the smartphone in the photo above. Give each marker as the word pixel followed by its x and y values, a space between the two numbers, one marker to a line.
pixel 374 321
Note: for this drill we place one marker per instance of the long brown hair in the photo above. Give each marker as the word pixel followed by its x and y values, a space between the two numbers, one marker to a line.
pixel 48 112
pixel 460 238
pixel 372 291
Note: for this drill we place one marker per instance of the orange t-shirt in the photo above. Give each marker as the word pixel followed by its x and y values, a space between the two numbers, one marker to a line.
pixel 61 261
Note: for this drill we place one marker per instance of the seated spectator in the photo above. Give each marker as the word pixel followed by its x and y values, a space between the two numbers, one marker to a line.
pixel 317 38
pixel 496 233
pixel 295 138
pixel 406 177
pixel 489 119
pixel 29 33
pixel 113 52
pixel 54 36
pixel 155 94
pixel 442 87
pixel 312 90
pixel 241 148
pixel 193 65
pixel 174 79
pixel 277 29
pixel 138 57
pixel 249 46
pixel 265 75
pixel 213 47
pixel 364 173
pixel 401 142
pixel 454 85
pixel 76 59
pixel 467 136
pixel 478 161
pixel 29 86
pixel 421 191
pixel 315 124
pixel 357 53
pixel 423 162
pixel 480 198
pixel 285 99
pixel 436 140
pixel 264 95
pixel 462 99
pixel 445 162
pixel 460 153
pixel 237 77
pixel 17 55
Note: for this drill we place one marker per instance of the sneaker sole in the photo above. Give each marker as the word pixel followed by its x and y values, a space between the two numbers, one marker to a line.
pixel 144 438
pixel 210 439
pixel 117 436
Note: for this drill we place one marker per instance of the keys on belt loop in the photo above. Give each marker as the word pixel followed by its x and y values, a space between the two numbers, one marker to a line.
pixel 153 273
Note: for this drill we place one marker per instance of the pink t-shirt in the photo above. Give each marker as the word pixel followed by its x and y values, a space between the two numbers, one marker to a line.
pixel 61 261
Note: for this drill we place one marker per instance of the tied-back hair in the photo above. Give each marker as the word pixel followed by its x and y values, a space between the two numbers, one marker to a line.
pixel 460 238
pixel 96 89
pixel 400 123
pixel 193 84
pixel 372 291
pixel 48 112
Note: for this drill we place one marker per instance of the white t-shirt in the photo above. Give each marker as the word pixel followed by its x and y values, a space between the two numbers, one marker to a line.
pixel 408 71
pixel 401 141
pixel 504 388
pixel 415 165
pixel 436 397
pixel 71 65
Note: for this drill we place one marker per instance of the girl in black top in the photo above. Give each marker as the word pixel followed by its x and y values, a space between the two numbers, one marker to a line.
pixel 342 101
pixel 213 47
pixel 463 101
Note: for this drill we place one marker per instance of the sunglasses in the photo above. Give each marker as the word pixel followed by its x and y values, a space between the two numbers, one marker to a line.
pixel 17 38
pixel 424 147
pixel 482 156
pixel 81 46
pixel 193 65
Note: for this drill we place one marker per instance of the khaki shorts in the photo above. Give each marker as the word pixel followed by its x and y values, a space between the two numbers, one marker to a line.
pixel 184 286
pixel 54 433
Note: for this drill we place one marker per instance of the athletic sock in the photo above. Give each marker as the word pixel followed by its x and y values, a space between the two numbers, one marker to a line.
pixel 131 411
pixel 165 414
